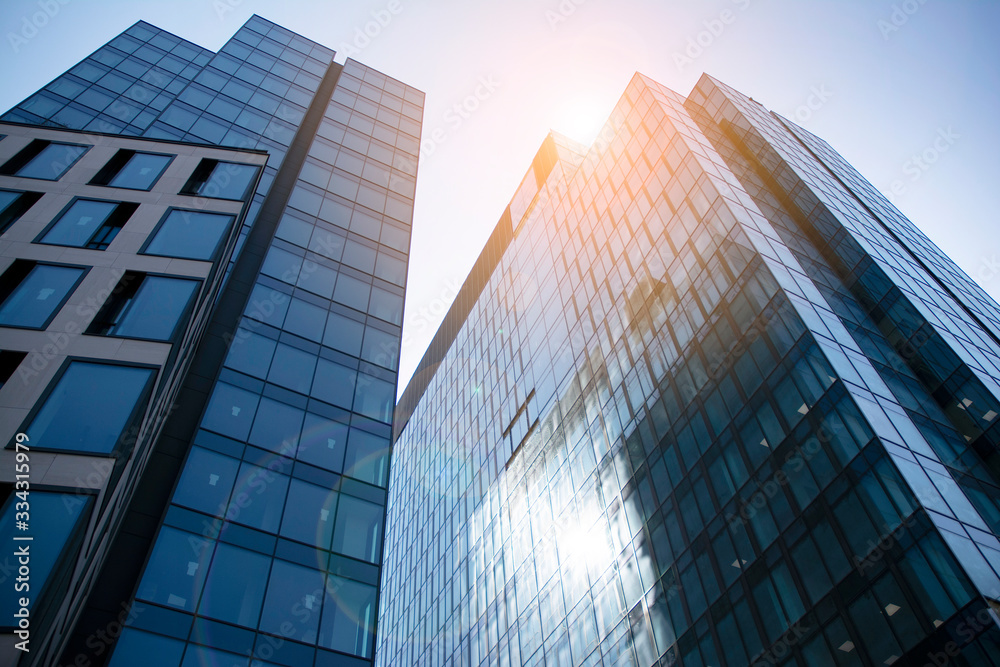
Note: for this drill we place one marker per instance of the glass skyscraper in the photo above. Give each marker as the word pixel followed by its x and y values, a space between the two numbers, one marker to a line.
pixel 220 241
pixel 707 398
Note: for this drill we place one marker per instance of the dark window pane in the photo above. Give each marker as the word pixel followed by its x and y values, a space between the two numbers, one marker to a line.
pixel 44 159
pixel 334 383
pixel 344 334
pixel 366 457
pixel 176 569
pixel 359 529
pixel 189 235
pixel 348 617
pixel 323 443
pixel 141 171
pixel 220 180
pixel 90 408
pixel 57 514
pixel 276 427
pixel 37 297
pixel 80 223
pixel 230 411
pixel 206 481
pixel 294 596
pixel 14 204
pixel 292 368
pixel 374 398
pixel 258 498
pixel 235 585
pixel 312 520
pixel 250 353
pixel 145 307
pixel 136 647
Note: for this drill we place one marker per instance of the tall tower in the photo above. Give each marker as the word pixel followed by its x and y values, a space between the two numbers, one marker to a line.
pixel 217 480
pixel 707 398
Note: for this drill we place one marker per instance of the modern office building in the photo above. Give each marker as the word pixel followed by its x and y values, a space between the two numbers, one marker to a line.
pixel 706 399
pixel 202 265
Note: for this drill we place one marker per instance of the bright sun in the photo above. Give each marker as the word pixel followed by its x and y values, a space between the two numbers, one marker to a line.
pixel 580 119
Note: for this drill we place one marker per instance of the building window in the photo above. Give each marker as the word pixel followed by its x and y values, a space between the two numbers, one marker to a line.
pixel 144 306
pixel 54 520
pixel 9 361
pixel 221 180
pixel 47 160
pixel 31 293
pixel 189 234
pixel 89 223
pixel 14 204
pixel 91 408
pixel 349 617
pixel 132 170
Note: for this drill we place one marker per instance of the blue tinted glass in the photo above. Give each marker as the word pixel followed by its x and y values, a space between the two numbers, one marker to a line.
pixel 250 353
pixel 228 181
pixel 90 407
pixel 292 368
pixel 202 656
pixel 294 596
pixel 79 223
pixel 207 479
pixel 259 497
pixel 38 296
pixel 366 458
pixel 359 529
pixel 53 517
pixel 156 308
pixel 334 383
pixel 374 398
pixel 189 234
pixel 381 348
pixel 323 443
pixel 52 162
pixel 141 171
pixel 234 587
pixel 230 411
pixel 312 520
pixel 276 427
pixel 176 570
pixel 305 319
pixel 344 334
pixel 349 617
pixel 135 647
pixel 7 198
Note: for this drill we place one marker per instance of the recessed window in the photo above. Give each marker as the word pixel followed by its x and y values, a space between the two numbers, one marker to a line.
pixel 31 293
pixel 89 223
pixel 14 204
pixel 189 234
pixel 144 306
pixel 9 361
pixel 132 170
pixel 60 514
pixel 221 180
pixel 47 160
pixel 91 408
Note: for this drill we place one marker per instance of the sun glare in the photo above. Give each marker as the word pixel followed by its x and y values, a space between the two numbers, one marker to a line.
pixel 580 119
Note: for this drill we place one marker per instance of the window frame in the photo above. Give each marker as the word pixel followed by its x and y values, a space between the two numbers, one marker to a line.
pixel 15 210
pixel 123 212
pixel 31 151
pixel 221 244
pixel 5 293
pixel 112 169
pixel 140 407
pixel 116 305
pixel 202 175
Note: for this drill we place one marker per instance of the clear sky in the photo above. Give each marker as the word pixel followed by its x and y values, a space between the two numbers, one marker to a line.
pixel 887 79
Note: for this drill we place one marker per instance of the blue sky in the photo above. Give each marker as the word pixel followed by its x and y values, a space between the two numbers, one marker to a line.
pixel 889 81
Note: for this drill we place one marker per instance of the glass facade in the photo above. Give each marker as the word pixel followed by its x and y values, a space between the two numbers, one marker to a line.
pixel 269 547
pixel 715 402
